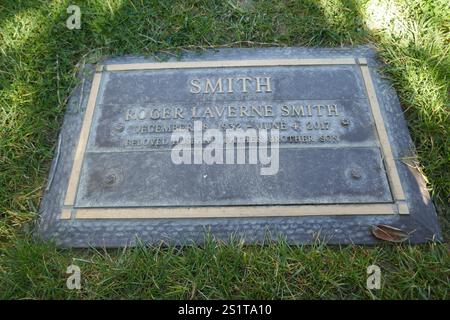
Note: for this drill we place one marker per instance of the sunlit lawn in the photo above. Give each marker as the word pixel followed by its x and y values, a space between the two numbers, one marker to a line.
pixel 39 57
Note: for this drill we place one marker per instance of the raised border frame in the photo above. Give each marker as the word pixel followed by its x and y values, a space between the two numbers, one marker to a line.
pixel 398 206
pixel 421 223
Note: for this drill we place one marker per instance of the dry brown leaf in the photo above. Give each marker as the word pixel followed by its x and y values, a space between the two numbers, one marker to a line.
pixel 389 233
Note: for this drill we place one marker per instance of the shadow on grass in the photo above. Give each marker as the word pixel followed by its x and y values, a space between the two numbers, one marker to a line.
pixel 40 71
pixel 38 74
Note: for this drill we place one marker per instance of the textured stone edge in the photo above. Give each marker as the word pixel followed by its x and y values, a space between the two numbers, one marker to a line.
pixel 421 222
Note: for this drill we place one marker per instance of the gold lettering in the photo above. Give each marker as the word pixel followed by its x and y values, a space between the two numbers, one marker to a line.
pixel 243 110
pixel 259 84
pixel 208 113
pixel 218 85
pixel 179 113
pixel 299 111
pixel 195 83
pixel 244 82
pixel 230 85
pixel 284 111
pixel 332 110
pixel 130 115
pixel 231 112
pixel 318 107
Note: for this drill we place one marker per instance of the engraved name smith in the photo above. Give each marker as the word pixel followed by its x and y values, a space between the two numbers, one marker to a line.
pixel 241 84
pixel 231 85
pixel 290 117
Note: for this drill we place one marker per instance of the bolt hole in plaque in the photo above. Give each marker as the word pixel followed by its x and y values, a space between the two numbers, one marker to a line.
pixel 334 153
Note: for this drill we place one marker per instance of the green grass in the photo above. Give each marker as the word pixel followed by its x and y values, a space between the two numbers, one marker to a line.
pixel 39 57
pixel 231 271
